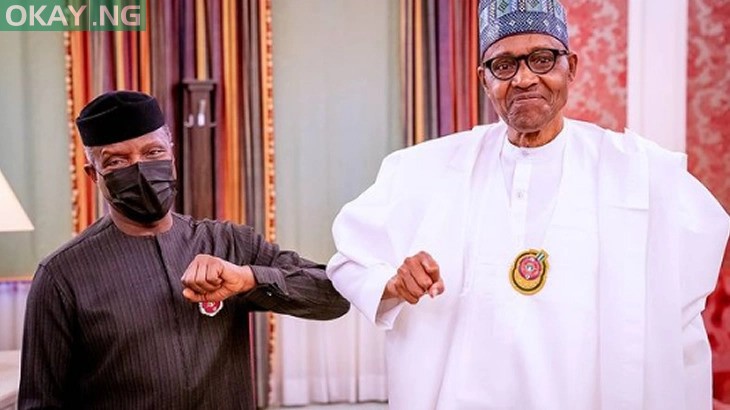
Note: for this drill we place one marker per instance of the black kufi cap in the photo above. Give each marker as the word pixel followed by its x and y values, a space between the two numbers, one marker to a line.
pixel 118 116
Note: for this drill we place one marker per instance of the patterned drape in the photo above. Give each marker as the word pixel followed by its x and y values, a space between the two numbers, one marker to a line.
pixel 223 42
pixel 440 47
pixel 598 35
pixel 708 147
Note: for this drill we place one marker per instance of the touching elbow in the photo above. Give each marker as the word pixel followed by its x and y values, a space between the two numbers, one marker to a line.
pixel 340 307
pixel 336 307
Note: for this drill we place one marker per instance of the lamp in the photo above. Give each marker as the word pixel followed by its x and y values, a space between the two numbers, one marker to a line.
pixel 12 216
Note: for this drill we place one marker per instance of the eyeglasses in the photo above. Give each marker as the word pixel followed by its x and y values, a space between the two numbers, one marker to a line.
pixel 539 62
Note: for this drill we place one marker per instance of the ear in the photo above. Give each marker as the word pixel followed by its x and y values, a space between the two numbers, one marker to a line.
pixel 482 74
pixel 572 66
pixel 174 167
pixel 91 172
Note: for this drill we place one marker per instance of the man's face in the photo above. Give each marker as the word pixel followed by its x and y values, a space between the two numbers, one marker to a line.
pixel 149 147
pixel 528 102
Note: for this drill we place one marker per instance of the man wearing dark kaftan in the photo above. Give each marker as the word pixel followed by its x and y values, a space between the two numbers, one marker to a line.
pixel 130 314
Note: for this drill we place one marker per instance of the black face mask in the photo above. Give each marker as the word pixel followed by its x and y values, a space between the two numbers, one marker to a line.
pixel 143 192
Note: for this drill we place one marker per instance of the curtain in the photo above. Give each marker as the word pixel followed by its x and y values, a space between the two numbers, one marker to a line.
pixel 216 51
pixel 341 361
pixel 13 295
pixel 337 116
pixel 224 41
pixel 440 56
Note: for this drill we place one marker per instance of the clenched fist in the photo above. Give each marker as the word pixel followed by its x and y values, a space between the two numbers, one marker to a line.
pixel 212 279
pixel 418 275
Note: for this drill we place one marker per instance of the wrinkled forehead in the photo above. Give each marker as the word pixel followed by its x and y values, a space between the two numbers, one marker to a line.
pixel 156 137
pixel 520 44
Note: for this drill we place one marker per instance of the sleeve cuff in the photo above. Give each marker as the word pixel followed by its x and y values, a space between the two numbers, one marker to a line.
pixel 270 287
pixel 382 312
pixel 387 311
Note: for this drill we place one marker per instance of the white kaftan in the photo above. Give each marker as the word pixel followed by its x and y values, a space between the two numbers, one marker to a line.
pixel 635 244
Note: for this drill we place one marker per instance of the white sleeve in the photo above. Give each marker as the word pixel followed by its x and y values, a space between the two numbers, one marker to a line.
pixel 697 365
pixel 365 258
pixel 703 234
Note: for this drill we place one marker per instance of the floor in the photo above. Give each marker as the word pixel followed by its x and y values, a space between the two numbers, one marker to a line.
pixel 363 406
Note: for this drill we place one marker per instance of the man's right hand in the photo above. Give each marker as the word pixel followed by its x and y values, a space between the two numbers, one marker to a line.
pixel 418 275
pixel 212 279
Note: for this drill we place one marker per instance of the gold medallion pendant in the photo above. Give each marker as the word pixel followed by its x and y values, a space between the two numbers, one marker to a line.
pixel 529 271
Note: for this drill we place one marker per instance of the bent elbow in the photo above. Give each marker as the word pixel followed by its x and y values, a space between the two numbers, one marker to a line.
pixel 335 308
pixel 340 307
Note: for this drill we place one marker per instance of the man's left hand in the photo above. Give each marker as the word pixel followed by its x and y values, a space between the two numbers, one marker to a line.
pixel 212 279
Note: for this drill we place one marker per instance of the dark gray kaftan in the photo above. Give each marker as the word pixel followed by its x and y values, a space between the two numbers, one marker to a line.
pixel 107 325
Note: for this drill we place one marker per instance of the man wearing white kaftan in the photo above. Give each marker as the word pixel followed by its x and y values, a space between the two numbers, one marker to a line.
pixel 633 245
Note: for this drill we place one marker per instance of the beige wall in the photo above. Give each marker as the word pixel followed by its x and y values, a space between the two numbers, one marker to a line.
pixel 337 114
pixel 34 154
pixel 336 108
